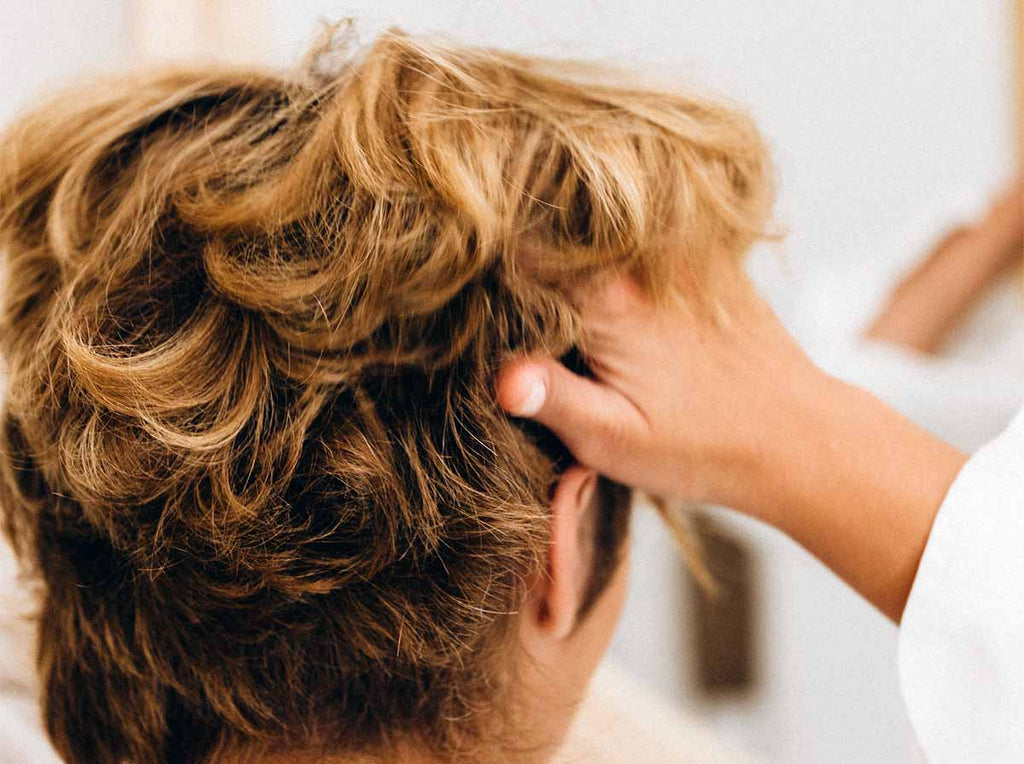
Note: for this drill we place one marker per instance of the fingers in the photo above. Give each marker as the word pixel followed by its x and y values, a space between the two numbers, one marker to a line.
pixel 590 418
pixel 614 314
pixel 619 300
pixel 523 388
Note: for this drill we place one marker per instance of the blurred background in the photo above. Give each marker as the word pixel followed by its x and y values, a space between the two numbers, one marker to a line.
pixel 887 118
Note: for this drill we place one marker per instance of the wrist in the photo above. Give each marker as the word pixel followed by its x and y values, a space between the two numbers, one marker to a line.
pixel 858 485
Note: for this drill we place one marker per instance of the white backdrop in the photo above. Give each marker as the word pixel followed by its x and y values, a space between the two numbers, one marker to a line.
pixel 873 107
pixel 42 42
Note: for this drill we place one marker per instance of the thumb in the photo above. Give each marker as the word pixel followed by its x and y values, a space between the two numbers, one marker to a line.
pixel 590 418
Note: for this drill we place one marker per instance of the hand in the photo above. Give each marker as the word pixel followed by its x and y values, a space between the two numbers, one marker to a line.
pixel 732 412
pixel 681 405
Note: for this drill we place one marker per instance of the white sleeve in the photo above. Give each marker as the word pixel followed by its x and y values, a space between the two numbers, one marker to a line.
pixel 961 651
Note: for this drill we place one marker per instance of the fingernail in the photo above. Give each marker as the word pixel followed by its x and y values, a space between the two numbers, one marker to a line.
pixel 534 399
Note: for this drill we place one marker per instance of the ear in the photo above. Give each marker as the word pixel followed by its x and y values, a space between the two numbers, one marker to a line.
pixel 556 595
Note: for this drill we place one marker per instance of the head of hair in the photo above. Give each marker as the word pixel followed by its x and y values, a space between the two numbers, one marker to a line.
pixel 251 320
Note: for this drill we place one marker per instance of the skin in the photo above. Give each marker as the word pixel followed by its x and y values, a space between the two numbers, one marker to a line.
pixel 559 651
pixel 734 413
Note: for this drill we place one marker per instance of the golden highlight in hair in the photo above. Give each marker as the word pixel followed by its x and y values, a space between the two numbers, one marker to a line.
pixel 251 321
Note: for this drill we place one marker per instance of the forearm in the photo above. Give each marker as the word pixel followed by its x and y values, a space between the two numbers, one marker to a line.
pixel 858 485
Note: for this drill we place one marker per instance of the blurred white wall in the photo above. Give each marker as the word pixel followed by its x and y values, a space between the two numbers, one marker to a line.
pixel 872 107
pixel 45 41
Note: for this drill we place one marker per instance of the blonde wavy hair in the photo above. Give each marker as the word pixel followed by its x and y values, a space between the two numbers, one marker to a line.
pixel 250 449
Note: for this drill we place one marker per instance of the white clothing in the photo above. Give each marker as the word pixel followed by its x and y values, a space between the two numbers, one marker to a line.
pixel 962 636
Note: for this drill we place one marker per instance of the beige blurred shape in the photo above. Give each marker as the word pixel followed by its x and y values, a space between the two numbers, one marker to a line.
pixel 198 30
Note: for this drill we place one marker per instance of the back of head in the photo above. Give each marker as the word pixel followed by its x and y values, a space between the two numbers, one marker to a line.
pixel 251 323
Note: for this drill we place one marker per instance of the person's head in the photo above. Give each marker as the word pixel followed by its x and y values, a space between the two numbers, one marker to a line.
pixel 250 447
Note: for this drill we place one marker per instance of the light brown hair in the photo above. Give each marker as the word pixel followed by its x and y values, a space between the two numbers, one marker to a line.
pixel 251 323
